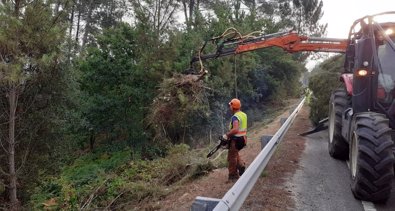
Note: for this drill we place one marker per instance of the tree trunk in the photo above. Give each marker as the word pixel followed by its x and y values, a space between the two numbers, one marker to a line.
pixel 13 99
pixel 71 20
pixel 158 18
pixel 88 25
pixel 57 6
pixel 92 141
pixel 186 14
pixel 77 31
pixel 71 31
pixel 17 6
pixel 191 8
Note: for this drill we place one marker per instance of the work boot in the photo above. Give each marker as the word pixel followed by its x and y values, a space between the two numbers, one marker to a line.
pixel 241 170
pixel 232 178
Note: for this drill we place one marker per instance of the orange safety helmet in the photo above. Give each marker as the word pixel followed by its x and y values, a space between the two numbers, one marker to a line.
pixel 235 103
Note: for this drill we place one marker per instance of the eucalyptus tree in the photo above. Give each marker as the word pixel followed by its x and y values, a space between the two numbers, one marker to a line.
pixel 89 17
pixel 31 38
pixel 302 16
pixel 157 16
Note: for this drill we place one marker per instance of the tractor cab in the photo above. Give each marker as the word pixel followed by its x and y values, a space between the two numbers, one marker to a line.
pixel 385 39
pixel 370 62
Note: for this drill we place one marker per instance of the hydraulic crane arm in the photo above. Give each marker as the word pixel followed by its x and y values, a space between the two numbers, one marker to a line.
pixel 288 41
pixel 293 42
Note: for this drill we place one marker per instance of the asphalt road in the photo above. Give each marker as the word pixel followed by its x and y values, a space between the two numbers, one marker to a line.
pixel 323 183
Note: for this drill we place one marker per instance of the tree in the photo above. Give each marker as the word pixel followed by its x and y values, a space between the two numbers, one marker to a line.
pixel 188 7
pixel 302 15
pixel 156 15
pixel 31 36
pixel 92 16
pixel 115 91
pixel 192 10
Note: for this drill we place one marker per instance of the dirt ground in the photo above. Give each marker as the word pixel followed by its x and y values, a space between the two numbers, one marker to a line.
pixel 270 192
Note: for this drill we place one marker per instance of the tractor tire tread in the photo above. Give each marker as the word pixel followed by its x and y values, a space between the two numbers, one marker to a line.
pixel 339 147
pixel 374 175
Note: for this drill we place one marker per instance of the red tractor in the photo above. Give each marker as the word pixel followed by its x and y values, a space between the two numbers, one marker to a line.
pixel 362 112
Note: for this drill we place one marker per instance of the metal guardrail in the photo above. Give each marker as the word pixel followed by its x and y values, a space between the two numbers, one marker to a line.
pixel 236 196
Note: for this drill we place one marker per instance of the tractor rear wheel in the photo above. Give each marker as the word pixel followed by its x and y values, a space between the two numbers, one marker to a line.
pixel 371 157
pixel 338 147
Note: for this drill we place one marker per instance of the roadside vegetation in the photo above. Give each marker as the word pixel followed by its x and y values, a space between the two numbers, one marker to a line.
pixel 97 107
pixel 115 180
pixel 322 81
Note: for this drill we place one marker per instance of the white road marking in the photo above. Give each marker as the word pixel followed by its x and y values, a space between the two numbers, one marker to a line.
pixel 368 206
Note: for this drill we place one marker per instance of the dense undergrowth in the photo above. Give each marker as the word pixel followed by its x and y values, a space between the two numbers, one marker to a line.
pixel 117 180
pixel 114 180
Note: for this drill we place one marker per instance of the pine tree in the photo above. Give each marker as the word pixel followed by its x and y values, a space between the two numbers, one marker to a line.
pixel 31 36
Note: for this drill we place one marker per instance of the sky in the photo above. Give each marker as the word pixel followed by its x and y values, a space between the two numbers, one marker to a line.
pixel 341 14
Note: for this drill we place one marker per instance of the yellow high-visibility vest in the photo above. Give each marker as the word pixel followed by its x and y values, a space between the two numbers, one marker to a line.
pixel 242 117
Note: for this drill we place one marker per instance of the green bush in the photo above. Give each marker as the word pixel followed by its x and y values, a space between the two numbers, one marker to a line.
pixel 114 178
pixel 323 80
pixel 80 179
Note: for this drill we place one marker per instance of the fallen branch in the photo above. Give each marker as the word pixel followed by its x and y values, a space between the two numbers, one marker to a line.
pixel 92 196
pixel 116 198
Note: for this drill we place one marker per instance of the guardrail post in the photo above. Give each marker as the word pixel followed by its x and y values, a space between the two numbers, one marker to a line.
pixel 204 204
pixel 282 120
pixel 264 140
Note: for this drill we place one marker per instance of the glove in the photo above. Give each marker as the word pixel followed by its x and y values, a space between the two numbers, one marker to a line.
pixel 224 136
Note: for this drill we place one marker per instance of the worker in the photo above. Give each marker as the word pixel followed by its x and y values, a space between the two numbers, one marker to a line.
pixel 237 139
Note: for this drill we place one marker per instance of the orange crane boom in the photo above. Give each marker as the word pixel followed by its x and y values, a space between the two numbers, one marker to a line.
pixel 288 41
pixel 292 42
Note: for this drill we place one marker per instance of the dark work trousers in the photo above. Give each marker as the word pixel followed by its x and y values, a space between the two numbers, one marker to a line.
pixel 234 160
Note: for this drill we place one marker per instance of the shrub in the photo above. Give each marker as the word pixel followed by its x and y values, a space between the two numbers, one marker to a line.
pixel 323 80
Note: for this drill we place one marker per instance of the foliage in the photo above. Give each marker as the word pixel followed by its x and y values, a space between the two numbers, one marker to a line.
pixel 302 15
pixel 180 98
pixel 126 91
pixel 157 15
pixel 255 77
pixel 90 17
pixel 79 179
pixel 114 91
pixel 323 80
pixel 114 180
pixel 31 52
